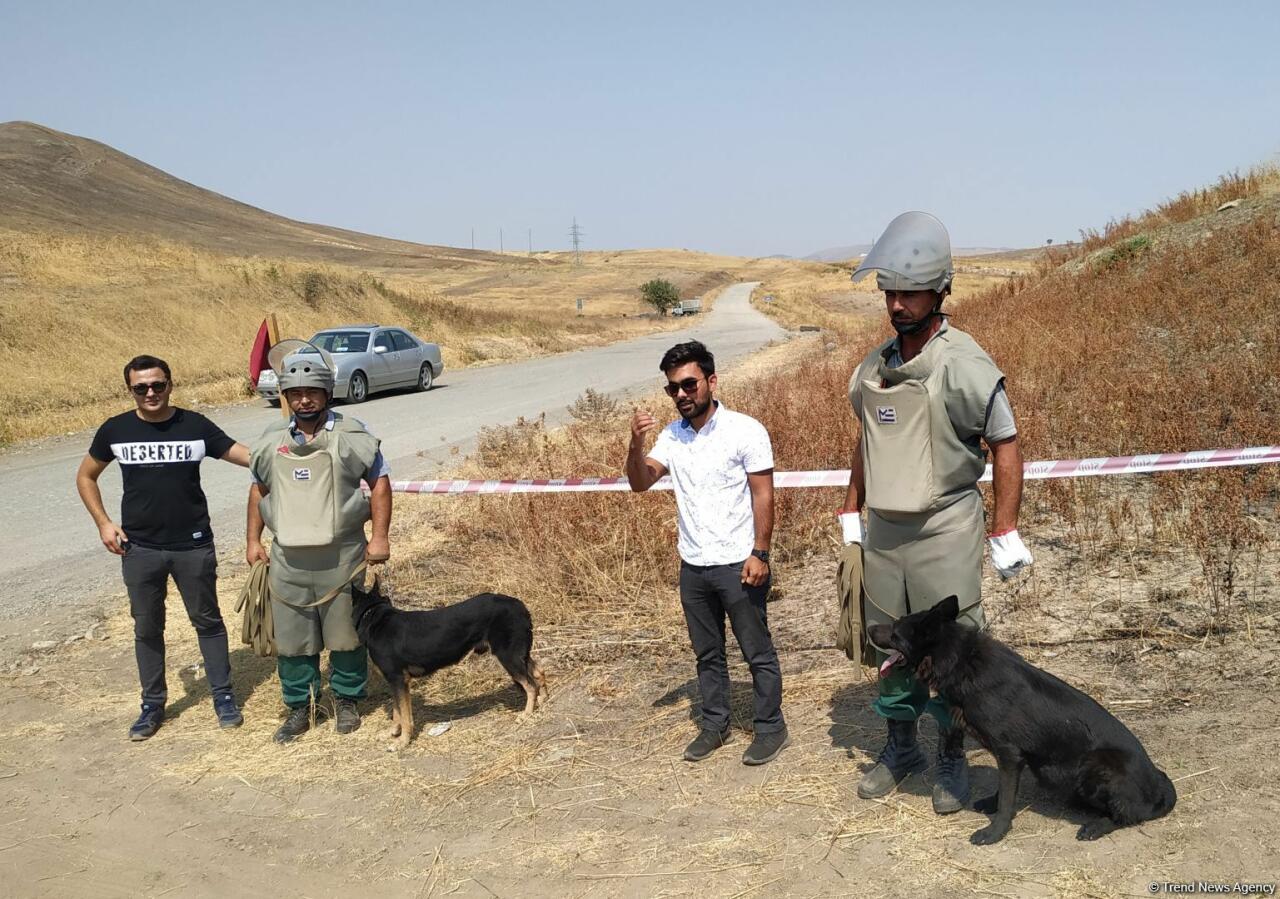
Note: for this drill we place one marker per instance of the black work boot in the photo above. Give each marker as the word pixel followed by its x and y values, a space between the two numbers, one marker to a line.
pixel 951 789
pixel 297 724
pixel 706 742
pixel 348 716
pixel 900 757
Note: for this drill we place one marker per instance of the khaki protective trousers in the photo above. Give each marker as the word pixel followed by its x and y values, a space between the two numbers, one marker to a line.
pixel 911 563
pixel 303 575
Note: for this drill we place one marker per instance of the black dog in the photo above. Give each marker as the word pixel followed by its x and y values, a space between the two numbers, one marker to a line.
pixel 1027 717
pixel 406 645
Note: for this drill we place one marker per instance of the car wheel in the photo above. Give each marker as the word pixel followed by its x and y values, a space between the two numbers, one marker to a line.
pixel 425 376
pixel 358 389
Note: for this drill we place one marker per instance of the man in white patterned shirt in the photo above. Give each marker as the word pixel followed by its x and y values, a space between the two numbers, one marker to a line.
pixel 721 465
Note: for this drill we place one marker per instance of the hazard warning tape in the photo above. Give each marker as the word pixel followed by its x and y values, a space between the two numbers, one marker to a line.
pixel 1031 471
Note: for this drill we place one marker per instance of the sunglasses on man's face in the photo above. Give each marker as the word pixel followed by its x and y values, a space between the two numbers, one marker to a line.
pixel 688 385
pixel 141 389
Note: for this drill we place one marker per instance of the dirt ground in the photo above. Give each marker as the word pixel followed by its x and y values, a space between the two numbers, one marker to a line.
pixel 590 797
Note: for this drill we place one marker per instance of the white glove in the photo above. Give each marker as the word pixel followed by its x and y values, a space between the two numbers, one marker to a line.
pixel 850 527
pixel 1009 555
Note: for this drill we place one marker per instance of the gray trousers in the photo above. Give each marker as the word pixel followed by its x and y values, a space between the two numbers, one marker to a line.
pixel 707 594
pixel 146 576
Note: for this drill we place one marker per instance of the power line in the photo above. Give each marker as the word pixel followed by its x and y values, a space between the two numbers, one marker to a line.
pixel 575 233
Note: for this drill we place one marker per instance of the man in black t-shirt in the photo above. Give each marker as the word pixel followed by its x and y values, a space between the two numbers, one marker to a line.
pixel 164 530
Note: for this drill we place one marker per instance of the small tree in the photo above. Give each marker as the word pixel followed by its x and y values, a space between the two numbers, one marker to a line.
pixel 660 294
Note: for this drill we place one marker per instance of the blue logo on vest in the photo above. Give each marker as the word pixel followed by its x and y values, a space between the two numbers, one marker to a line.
pixel 886 415
pixel 302 474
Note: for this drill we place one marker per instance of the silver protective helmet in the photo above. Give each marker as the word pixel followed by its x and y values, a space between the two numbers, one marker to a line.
pixel 299 363
pixel 913 253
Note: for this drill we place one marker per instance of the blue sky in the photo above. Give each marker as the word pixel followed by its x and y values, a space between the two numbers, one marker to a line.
pixel 747 128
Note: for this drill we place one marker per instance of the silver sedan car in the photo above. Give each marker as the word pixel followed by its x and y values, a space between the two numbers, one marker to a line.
pixel 369 358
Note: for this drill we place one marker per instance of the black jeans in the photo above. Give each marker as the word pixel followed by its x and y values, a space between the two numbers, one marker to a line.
pixel 707 594
pixel 146 577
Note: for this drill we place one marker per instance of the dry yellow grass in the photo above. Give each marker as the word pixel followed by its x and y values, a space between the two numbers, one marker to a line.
pixel 74 308
pixel 1163 352
pixel 821 294
pixel 1260 181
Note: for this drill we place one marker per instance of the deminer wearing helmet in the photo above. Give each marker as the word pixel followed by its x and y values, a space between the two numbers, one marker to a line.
pixel 307 473
pixel 928 400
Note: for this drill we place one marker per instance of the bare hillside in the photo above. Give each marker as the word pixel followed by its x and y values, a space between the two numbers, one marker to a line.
pixel 51 181
pixel 85 231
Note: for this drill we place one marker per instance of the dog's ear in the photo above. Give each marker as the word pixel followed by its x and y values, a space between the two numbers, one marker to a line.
pixel 950 608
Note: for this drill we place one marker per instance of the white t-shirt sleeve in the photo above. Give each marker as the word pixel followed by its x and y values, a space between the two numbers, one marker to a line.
pixel 757 448
pixel 661 452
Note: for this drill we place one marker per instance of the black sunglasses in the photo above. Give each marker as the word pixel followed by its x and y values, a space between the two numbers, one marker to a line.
pixel 688 385
pixel 141 389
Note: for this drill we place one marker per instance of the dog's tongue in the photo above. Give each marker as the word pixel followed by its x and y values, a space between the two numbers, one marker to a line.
pixel 894 658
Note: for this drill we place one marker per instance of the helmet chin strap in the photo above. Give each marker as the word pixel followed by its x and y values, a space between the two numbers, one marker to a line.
pixel 909 328
pixel 906 329
pixel 308 416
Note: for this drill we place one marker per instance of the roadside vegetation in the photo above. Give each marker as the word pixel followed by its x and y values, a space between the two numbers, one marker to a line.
pixel 74 308
pixel 661 294
pixel 1171 346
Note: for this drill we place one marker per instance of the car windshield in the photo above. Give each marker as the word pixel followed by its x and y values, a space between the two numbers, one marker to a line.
pixel 339 342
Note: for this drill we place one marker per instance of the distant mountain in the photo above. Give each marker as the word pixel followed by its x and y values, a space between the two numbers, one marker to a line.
pixel 51 181
pixel 839 254
pixel 844 254
pixel 980 251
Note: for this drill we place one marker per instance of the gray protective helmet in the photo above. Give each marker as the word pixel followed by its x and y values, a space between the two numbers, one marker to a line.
pixel 913 253
pixel 301 364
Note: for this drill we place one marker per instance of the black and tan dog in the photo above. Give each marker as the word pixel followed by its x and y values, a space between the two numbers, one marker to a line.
pixel 405 645
pixel 1028 718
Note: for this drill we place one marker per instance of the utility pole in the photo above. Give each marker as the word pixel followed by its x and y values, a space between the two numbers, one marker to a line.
pixel 473 238
pixel 575 232
pixel 530 241
pixel 501 249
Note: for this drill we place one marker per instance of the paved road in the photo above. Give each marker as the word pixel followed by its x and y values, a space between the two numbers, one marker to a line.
pixel 52 563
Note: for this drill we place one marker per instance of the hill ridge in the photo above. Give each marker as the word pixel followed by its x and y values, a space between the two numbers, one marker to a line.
pixel 54 181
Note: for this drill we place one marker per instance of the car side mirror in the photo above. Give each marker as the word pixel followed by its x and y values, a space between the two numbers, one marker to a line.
pixel 379 349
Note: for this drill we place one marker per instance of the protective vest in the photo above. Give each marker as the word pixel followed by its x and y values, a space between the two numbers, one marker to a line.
pixel 921 422
pixel 315 497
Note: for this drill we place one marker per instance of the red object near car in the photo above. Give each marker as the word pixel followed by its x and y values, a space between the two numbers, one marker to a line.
pixel 258 355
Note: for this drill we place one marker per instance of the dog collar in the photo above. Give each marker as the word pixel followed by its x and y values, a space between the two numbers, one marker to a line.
pixel 363 615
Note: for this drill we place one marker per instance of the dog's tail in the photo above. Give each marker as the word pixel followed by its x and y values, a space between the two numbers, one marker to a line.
pixel 1168 796
pixel 536 676
pixel 532 670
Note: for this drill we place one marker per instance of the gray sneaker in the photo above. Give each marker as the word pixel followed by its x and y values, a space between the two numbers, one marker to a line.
pixel 707 742
pixel 765 747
